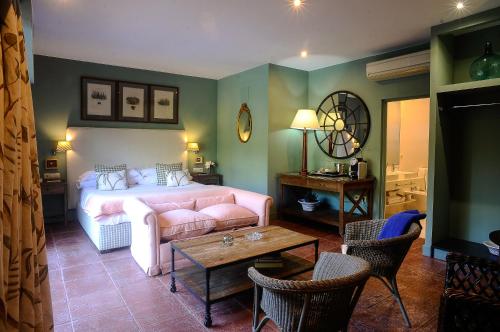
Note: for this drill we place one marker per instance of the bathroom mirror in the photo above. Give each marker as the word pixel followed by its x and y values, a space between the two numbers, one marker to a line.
pixel 244 124
pixel 344 124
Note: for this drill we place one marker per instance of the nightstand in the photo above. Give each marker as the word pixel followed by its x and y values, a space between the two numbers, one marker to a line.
pixel 56 189
pixel 207 178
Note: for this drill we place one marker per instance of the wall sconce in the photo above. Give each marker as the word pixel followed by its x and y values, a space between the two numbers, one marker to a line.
pixel 62 146
pixel 193 147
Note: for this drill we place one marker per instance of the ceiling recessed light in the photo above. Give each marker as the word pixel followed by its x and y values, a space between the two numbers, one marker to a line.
pixel 297 3
pixel 303 54
pixel 460 5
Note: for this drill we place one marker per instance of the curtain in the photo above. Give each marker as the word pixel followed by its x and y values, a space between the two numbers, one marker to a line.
pixel 25 302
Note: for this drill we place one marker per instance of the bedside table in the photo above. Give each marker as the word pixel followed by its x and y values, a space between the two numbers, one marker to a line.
pixel 207 178
pixel 56 189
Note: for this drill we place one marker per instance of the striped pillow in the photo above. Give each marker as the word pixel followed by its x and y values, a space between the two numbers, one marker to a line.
pixel 163 169
pixel 108 169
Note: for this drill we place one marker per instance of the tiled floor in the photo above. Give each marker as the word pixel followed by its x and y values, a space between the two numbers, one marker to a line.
pixel 109 292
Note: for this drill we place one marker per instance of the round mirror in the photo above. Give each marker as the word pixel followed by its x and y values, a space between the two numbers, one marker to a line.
pixel 244 124
pixel 344 124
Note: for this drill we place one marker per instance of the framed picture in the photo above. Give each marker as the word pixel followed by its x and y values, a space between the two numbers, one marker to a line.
pixel 51 163
pixel 163 104
pixel 98 99
pixel 199 160
pixel 132 101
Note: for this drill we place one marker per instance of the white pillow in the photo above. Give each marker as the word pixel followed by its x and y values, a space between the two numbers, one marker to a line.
pixel 146 175
pixel 112 180
pixel 133 176
pixel 86 184
pixel 177 178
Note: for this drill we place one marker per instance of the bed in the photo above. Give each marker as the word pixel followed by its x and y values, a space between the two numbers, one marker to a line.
pixel 137 148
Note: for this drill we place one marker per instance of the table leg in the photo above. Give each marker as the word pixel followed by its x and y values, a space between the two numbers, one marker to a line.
pixel 173 289
pixel 208 315
pixel 316 246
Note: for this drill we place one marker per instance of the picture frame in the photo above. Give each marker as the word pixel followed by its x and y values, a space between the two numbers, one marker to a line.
pixel 132 102
pixel 163 104
pixel 98 99
pixel 51 163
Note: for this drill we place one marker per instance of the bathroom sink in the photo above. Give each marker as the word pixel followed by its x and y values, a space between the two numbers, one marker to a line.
pixel 400 175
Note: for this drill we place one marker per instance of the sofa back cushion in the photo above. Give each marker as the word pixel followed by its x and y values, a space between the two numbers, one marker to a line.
pixel 160 207
pixel 184 223
pixel 229 216
pixel 207 201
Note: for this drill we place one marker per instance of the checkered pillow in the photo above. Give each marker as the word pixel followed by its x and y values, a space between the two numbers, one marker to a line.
pixel 163 169
pixel 110 169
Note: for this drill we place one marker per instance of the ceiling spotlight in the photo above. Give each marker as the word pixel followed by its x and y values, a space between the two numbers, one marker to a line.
pixel 303 54
pixel 460 5
pixel 297 3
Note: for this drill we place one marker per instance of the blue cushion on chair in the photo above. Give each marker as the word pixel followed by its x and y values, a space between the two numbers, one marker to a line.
pixel 399 223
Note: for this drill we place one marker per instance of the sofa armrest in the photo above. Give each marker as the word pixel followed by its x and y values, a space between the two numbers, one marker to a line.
pixel 138 211
pixel 257 203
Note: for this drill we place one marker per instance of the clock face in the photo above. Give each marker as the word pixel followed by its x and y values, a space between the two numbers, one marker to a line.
pixel 344 124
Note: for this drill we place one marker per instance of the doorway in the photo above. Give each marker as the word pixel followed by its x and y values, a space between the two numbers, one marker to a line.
pixel 407 156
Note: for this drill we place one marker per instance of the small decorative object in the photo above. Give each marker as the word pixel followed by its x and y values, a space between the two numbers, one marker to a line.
pixel 133 102
pixel 210 166
pixel 310 202
pixel 244 123
pixel 254 236
pixel 492 247
pixel 98 99
pixel 164 102
pixel 344 123
pixel 487 66
pixel 227 240
pixel 51 163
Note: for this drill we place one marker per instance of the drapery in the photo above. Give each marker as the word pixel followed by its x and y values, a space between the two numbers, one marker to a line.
pixel 25 302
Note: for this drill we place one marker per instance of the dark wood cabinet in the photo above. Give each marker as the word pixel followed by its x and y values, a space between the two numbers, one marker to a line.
pixel 207 178
pixel 56 189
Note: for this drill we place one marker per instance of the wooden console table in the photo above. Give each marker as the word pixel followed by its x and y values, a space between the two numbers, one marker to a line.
pixel 354 190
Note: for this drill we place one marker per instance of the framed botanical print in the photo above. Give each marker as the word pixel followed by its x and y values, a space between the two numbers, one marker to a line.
pixel 163 104
pixel 132 102
pixel 98 99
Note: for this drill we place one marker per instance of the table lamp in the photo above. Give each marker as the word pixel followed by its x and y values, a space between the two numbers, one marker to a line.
pixel 193 147
pixel 305 120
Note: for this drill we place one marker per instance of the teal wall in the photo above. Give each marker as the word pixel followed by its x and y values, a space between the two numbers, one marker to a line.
pixel 27 16
pixel 56 99
pixel 244 165
pixel 287 93
pixel 351 76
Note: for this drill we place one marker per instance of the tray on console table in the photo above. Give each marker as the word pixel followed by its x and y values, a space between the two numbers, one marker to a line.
pixel 355 191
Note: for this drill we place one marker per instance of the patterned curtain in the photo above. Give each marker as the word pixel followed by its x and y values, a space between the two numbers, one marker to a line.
pixel 25 302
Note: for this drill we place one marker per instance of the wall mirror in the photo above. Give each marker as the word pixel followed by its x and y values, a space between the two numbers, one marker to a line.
pixel 344 124
pixel 244 124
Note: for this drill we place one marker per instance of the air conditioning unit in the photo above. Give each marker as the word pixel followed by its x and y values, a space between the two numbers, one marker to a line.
pixel 401 66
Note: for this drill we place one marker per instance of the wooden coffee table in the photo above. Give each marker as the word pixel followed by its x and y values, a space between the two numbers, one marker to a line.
pixel 221 272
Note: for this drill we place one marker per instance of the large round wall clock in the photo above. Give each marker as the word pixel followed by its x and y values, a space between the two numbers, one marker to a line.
pixel 344 124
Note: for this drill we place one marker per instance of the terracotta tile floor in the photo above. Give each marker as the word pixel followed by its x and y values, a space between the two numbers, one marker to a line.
pixel 109 292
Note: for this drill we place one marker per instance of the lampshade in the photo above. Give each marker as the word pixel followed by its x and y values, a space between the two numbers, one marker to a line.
pixel 305 119
pixel 193 147
pixel 63 146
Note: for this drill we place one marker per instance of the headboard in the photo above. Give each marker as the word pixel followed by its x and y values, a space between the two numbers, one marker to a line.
pixel 135 147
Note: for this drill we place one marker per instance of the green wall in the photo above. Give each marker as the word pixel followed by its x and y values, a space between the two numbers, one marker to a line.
pixel 243 165
pixel 351 76
pixel 56 99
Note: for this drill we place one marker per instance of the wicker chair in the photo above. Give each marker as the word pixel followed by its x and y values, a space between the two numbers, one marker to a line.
pixel 471 298
pixel 385 256
pixel 322 304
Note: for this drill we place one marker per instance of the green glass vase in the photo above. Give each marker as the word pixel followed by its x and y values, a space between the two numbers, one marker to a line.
pixel 487 66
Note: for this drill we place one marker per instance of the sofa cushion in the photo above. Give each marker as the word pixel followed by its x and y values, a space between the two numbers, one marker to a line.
pixel 204 202
pixel 160 207
pixel 230 216
pixel 183 223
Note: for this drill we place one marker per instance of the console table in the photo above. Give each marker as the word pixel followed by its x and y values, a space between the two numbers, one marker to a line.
pixel 293 186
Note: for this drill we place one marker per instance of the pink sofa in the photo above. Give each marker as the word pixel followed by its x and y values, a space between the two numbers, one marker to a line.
pixel 156 221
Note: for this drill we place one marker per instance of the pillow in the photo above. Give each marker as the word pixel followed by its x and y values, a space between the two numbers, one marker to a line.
pixel 204 202
pixel 145 175
pixel 106 168
pixel 87 176
pixel 168 206
pixel 229 216
pixel 177 178
pixel 161 170
pixel 112 180
pixel 182 223
pixel 87 184
pixel 133 176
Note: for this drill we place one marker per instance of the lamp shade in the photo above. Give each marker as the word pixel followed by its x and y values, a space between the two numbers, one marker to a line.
pixel 193 147
pixel 305 119
pixel 63 146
